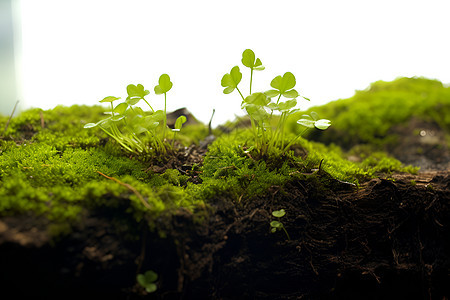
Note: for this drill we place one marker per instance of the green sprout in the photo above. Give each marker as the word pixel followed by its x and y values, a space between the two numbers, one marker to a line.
pixel 147 281
pixel 277 225
pixel 162 88
pixel 132 127
pixel 178 124
pixel 260 107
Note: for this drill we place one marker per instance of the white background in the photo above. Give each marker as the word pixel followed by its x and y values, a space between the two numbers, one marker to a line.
pixel 78 52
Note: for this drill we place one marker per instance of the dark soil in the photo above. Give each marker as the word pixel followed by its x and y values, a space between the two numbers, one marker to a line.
pixel 385 240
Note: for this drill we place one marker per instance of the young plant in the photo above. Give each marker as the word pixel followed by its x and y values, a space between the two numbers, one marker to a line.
pixel 178 125
pixel 277 225
pixel 129 125
pixel 260 107
pixel 147 281
pixel 162 88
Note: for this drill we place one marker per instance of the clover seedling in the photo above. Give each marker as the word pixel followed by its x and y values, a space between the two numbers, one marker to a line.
pixel 277 225
pixel 162 88
pixel 178 125
pixel 147 280
pixel 260 107
pixel 129 124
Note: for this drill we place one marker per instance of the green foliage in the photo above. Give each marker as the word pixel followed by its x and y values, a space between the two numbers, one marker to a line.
pixel 261 109
pixel 147 281
pixel 367 117
pixel 135 129
pixel 277 225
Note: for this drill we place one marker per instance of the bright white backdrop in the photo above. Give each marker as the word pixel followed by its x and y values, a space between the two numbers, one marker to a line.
pixel 78 52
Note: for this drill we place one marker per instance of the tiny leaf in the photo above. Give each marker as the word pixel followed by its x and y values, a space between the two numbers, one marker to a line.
pixel 272 93
pixel 179 122
pixel 276 224
pixel 109 99
pixel 136 91
pixel 231 80
pixel 90 125
pixel 248 60
pixel 284 83
pixel 306 121
pixel 279 213
pixel 291 94
pixel 117 118
pixel 256 112
pixel 287 105
pixel 164 84
pixel 260 99
pixel 322 124
pixel 121 108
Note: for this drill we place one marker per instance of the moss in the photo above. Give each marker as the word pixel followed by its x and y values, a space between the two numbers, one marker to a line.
pixel 367 117
pixel 50 166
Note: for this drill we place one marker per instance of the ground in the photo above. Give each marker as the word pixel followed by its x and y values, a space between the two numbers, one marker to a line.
pixel 384 235
pixel 387 239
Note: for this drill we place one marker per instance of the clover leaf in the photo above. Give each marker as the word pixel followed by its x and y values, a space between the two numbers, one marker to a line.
pixel 283 85
pixel 311 122
pixel 248 60
pixel 164 84
pixel 231 80
pixel 136 93
pixel 257 99
pixel 147 280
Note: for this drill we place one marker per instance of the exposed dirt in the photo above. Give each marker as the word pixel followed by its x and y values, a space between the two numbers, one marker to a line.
pixel 421 144
pixel 385 240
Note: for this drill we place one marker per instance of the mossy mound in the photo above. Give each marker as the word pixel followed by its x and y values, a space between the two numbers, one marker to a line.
pixel 192 208
pixel 367 117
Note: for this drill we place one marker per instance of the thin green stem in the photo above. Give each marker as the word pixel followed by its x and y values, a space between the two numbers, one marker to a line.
pixel 148 105
pixel 243 99
pixel 251 80
pixel 293 140
pixel 278 100
pixel 165 116
pixel 287 234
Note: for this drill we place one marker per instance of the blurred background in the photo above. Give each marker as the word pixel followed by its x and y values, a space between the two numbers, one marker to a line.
pixel 78 52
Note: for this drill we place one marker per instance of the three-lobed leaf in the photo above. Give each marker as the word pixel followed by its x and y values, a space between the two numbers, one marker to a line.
pixel 250 61
pixel 147 280
pixel 136 91
pixel 231 80
pixel 283 85
pixel 164 84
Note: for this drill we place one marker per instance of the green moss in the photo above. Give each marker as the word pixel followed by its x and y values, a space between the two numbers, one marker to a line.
pixel 367 117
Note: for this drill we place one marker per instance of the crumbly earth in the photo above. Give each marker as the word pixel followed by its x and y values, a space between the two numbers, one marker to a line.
pixel 384 240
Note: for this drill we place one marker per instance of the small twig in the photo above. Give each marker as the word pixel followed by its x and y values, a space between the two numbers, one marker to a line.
pixel 210 121
pixel 42 119
pixel 131 188
pixel 10 117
